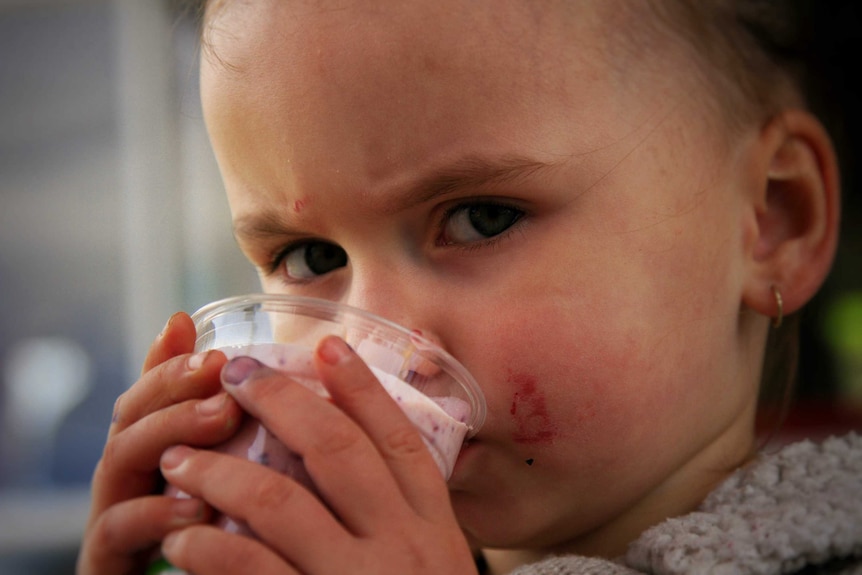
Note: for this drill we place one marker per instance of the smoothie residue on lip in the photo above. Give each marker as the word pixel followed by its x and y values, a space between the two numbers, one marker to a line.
pixel 533 423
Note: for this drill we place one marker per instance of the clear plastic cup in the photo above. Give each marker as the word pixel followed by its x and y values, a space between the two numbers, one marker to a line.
pixel 434 390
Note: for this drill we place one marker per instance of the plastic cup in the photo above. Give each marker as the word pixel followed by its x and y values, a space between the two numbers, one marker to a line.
pixel 433 389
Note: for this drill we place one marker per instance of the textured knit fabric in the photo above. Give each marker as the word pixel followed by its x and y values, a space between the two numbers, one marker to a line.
pixel 796 511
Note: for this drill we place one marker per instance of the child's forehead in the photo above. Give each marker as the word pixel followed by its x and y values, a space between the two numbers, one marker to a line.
pixel 548 43
pixel 504 29
pixel 528 48
pixel 386 87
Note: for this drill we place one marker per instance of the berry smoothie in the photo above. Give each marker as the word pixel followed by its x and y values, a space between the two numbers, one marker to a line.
pixel 440 420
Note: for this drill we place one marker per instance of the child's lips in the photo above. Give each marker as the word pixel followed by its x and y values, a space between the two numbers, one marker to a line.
pixel 466 454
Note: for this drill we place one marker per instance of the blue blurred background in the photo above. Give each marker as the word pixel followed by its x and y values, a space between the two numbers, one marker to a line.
pixel 112 217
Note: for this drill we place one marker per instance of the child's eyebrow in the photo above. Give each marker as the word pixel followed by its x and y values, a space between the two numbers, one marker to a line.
pixel 262 225
pixel 466 174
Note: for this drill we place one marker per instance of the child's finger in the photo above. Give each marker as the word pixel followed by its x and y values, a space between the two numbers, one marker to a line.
pixel 115 542
pixel 207 549
pixel 177 338
pixel 172 381
pixel 346 468
pixel 296 526
pixel 281 512
pixel 172 403
pixel 130 460
pixel 173 390
pixel 356 390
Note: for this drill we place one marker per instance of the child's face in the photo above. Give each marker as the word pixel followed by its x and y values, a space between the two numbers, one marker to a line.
pixel 561 215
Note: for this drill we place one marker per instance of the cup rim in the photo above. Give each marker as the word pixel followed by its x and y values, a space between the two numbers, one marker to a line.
pixel 332 311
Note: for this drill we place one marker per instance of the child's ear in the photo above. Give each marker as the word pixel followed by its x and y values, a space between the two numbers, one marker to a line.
pixel 796 201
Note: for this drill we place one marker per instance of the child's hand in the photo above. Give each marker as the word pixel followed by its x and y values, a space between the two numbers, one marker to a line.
pixel 385 505
pixel 128 515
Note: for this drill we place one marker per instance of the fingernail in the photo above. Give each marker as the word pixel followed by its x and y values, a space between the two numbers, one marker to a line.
pixel 187 509
pixel 333 350
pixel 175 456
pixel 168 325
pixel 197 360
pixel 115 415
pixel 212 405
pixel 239 369
pixel 169 542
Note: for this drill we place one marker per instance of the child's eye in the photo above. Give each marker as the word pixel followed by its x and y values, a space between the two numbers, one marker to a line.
pixel 476 222
pixel 311 259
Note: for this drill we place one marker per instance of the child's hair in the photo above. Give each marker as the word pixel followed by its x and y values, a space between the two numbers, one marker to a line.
pixel 755 57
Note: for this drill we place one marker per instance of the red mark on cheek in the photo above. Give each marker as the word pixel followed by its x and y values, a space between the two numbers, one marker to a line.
pixel 533 424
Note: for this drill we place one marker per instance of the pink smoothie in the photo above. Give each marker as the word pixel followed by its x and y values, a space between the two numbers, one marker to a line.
pixel 440 420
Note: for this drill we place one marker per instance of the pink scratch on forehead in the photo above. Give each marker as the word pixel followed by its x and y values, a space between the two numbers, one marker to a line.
pixel 299 204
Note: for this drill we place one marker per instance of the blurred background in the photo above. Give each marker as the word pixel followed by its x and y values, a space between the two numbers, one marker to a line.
pixel 112 218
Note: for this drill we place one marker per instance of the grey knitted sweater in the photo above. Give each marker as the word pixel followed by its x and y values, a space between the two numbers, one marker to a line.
pixel 796 511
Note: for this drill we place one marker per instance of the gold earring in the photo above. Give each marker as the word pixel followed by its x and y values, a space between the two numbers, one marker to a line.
pixel 779 303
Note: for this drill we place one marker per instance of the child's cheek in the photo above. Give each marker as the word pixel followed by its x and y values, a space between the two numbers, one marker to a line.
pixel 552 397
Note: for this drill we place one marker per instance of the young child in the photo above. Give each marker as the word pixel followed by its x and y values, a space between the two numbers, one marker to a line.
pixel 602 208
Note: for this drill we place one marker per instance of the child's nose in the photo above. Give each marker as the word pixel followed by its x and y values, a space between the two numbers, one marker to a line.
pixel 409 357
pixel 419 363
pixel 384 294
pixel 421 334
pixel 401 305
